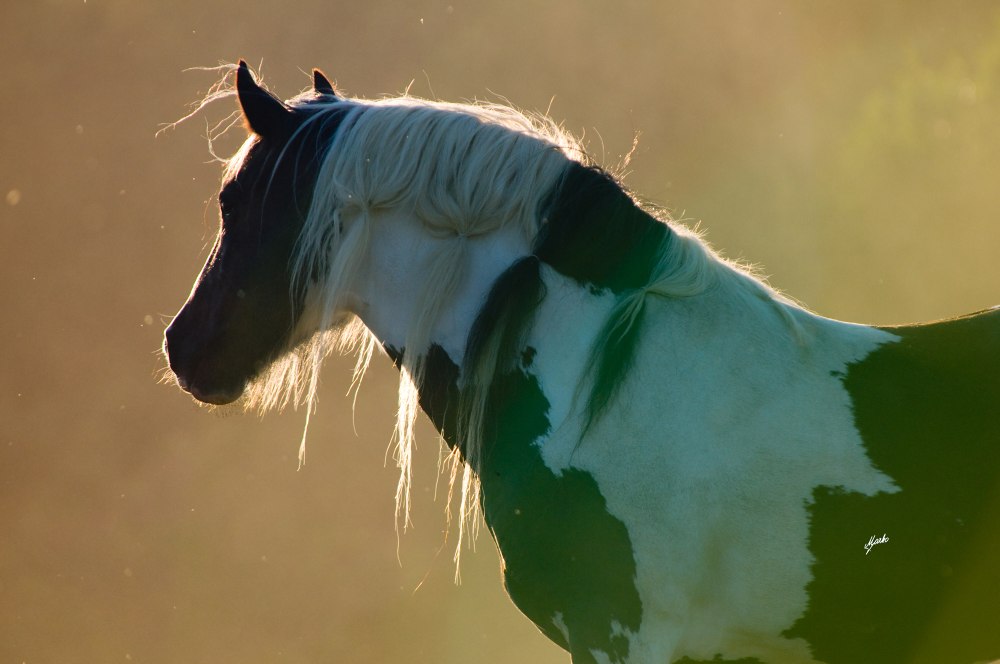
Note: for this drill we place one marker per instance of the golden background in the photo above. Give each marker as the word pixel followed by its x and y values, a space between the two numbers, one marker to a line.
pixel 851 148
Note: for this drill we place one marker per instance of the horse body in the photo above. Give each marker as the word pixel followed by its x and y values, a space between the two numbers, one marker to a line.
pixel 676 463
pixel 746 424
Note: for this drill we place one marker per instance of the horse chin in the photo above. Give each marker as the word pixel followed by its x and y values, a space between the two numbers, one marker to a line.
pixel 213 396
pixel 217 398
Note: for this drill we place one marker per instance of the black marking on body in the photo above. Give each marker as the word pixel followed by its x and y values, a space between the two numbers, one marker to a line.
pixel 928 410
pixel 505 319
pixel 563 552
pixel 595 233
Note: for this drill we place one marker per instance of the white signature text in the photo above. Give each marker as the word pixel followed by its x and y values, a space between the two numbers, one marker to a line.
pixel 875 540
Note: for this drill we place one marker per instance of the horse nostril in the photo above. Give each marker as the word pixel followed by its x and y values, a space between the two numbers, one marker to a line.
pixel 178 352
pixel 170 344
pixel 169 336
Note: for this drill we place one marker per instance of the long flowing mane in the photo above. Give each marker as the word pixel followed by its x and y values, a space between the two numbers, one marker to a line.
pixel 467 170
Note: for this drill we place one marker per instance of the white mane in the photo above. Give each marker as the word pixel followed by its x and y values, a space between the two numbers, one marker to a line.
pixel 464 170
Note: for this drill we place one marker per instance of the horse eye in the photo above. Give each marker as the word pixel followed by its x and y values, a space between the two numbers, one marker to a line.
pixel 226 206
pixel 227 200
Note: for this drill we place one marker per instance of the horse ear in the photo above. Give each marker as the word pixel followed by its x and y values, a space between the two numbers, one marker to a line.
pixel 264 113
pixel 322 84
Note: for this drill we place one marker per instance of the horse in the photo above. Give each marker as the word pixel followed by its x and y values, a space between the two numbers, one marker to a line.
pixel 676 462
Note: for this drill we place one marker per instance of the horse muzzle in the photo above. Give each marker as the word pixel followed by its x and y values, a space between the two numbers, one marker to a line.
pixel 195 372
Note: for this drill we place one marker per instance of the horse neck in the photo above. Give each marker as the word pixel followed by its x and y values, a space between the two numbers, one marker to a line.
pixel 390 288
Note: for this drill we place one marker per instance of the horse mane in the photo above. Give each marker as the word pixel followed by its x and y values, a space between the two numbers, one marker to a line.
pixel 467 170
pixel 464 170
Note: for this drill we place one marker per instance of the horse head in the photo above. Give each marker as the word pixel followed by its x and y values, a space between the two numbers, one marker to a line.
pixel 243 311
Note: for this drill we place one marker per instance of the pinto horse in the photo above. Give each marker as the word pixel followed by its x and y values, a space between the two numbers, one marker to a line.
pixel 676 463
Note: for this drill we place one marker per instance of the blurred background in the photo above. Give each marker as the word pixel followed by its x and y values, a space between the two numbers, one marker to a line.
pixel 850 148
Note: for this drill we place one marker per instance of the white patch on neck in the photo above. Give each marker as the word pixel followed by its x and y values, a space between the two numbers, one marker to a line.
pixel 709 455
pixel 390 283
